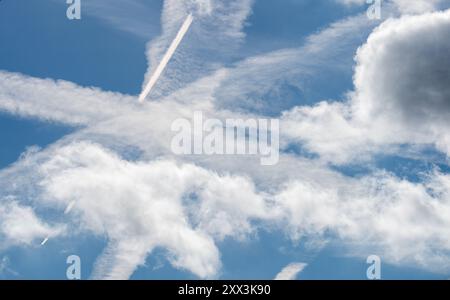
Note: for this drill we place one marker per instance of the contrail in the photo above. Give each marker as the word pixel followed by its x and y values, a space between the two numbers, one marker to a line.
pixel 68 209
pixel 162 65
pixel 44 241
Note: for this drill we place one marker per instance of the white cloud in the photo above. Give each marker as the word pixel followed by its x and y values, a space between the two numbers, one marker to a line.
pixel 402 74
pixel 58 101
pixel 137 17
pixel 19 226
pixel 291 271
pixel 401 95
pixel 137 206
pixel 417 6
pixel 141 206
pixel 217 27
pixel 403 6
pixel 254 79
pixel 5 268
pixel 406 223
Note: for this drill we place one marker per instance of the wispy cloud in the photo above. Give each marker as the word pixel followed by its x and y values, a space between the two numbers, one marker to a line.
pixel 218 28
pixel 5 268
pixel 404 6
pixel 291 271
pixel 19 225
pixel 166 58
pixel 139 18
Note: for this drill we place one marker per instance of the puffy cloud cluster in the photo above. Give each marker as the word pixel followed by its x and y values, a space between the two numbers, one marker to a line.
pixel 406 222
pixel 187 209
pixel 401 94
pixel 402 75
pixel 140 206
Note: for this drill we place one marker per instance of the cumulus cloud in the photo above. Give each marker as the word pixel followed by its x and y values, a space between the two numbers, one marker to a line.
pixel 141 213
pixel 141 206
pixel 404 221
pixel 291 271
pixel 403 71
pixel 401 94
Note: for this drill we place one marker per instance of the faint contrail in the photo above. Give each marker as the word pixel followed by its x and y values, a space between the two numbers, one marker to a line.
pixel 162 65
pixel 68 209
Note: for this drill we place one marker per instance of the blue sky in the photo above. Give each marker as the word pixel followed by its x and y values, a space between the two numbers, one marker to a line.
pixel 107 48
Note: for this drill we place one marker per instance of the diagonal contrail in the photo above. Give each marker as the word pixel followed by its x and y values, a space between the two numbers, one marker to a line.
pixel 162 65
pixel 68 209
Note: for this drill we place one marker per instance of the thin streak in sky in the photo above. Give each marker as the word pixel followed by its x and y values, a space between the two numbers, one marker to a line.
pixel 162 65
